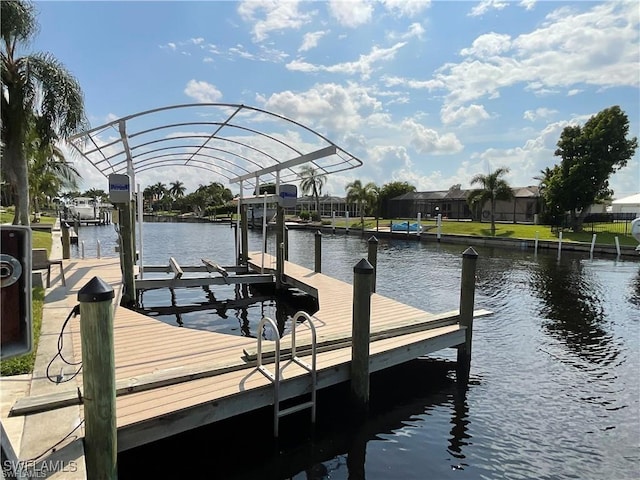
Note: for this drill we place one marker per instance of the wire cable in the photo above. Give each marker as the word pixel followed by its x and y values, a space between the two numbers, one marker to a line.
pixel 75 311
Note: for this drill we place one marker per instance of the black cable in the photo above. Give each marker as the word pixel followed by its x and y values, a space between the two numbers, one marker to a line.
pixel 74 313
pixel 52 449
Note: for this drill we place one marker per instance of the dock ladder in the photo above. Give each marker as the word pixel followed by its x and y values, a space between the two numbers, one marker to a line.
pixel 275 376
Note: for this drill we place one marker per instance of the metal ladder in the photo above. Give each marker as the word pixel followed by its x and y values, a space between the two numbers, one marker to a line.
pixel 275 377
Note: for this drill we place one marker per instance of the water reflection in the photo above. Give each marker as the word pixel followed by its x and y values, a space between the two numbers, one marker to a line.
pixel 634 297
pixel 572 308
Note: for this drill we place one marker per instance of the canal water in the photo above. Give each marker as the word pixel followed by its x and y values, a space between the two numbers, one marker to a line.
pixel 554 390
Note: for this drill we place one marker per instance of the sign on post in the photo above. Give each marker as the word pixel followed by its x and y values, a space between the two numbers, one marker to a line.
pixel 288 196
pixel 119 188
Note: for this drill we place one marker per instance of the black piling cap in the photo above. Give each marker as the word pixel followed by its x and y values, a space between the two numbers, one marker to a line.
pixel 318 233
pixel 470 253
pixel 363 266
pixel 96 290
pixel 373 239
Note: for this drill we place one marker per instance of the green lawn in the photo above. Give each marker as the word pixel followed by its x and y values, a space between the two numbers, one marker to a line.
pixel 505 230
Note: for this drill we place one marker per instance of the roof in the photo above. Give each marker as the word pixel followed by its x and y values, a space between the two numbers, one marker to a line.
pixel 232 142
pixel 631 200
pixel 518 192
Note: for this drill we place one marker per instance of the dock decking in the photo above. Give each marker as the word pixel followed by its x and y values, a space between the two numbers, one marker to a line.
pixel 173 379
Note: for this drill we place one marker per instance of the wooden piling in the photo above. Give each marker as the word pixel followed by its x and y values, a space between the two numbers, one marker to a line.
pixel 66 241
pixel 318 253
pixel 372 257
pixel 361 328
pixel 467 299
pixel 286 244
pixel 98 379
pixel 127 255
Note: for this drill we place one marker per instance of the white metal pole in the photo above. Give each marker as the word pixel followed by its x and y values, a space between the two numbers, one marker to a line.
pixel 238 224
pixel 617 245
pixel 559 244
pixel 82 249
pixel 264 230
pixel 439 229
pixel 535 248
pixel 347 217
pixel 593 243
pixel 419 224
pixel 99 250
pixel 333 221
pixel 140 242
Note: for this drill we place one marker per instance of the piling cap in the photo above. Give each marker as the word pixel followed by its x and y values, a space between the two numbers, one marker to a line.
pixel 363 266
pixel 96 290
pixel 318 233
pixel 470 253
pixel 372 239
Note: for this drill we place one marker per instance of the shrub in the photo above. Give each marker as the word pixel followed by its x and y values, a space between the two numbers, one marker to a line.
pixel 304 215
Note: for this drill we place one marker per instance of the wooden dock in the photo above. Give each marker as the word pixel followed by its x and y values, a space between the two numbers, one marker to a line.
pixel 171 379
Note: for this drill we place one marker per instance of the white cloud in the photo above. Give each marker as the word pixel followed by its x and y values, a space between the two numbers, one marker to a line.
pixel 406 8
pixel 389 154
pixel 329 106
pixel 202 91
pixel 415 30
pixel 539 113
pixel 278 15
pixel 197 41
pixel 485 5
pixel 573 91
pixel 171 45
pixel 528 4
pixel 363 66
pixel 468 116
pixel 207 60
pixel 598 47
pixel 353 13
pixel 488 45
pixel 427 140
pixel 310 40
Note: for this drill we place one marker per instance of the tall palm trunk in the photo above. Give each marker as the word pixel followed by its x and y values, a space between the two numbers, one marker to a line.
pixel 17 171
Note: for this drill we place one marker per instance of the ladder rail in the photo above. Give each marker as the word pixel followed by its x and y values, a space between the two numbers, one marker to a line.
pixel 275 377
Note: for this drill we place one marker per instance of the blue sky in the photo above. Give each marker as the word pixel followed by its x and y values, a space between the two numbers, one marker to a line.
pixel 425 92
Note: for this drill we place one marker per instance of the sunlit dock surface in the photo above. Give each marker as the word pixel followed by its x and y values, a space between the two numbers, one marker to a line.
pixel 171 379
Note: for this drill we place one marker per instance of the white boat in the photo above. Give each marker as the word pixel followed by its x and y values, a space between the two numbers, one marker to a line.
pixel 635 231
pixel 87 208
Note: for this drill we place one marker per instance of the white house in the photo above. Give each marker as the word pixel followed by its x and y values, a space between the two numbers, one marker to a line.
pixel 627 205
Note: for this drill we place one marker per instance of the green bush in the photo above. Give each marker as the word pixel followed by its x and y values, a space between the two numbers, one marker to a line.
pixel 304 215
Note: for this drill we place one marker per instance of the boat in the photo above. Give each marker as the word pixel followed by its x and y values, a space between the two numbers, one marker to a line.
pixel 87 208
pixel 256 215
pixel 405 226
pixel 83 208
pixel 635 231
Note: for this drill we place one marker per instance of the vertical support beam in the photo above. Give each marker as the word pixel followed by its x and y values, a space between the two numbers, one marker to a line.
pixel 467 299
pixel 418 230
pixel 140 238
pixel 279 245
pixel 286 244
pixel 535 243
pixel 66 241
pixel 559 244
pixel 98 379
pixel 318 253
pixel 593 244
pixel 333 222
pixel 245 235
pixel 127 255
pixel 347 219
pixel 372 258
pixel 238 219
pixel 439 227
pixel 361 328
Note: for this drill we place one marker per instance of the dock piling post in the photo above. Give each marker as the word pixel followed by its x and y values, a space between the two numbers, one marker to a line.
pixel 439 224
pixel 593 244
pixel 98 379
pixel 467 299
pixel 66 241
pixel 362 274
pixel 82 249
pixel 286 244
pixel 372 258
pixel 127 254
pixel 617 245
pixel 244 235
pixel 559 244
pixel 535 243
pixel 333 222
pixel 279 246
pixel 318 253
pixel 347 220
pixel 98 248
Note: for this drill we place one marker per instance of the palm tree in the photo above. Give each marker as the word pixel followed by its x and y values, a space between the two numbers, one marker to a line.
pixel 177 189
pixel 312 183
pixel 493 188
pixel 363 196
pixel 48 170
pixel 35 82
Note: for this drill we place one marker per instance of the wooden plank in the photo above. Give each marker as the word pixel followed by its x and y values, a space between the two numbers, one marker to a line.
pixel 215 267
pixel 328 342
pixel 149 284
pixel 177 271
pixel 193 268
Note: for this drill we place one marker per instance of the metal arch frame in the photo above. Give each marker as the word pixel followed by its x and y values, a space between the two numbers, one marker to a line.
pixel 228 111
